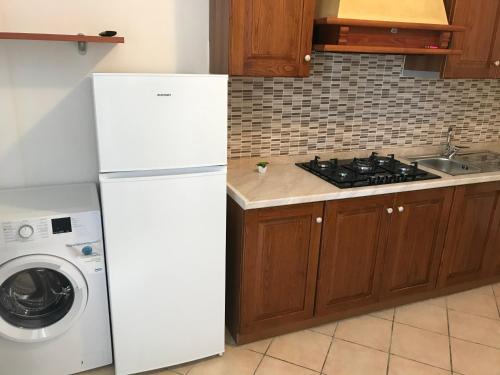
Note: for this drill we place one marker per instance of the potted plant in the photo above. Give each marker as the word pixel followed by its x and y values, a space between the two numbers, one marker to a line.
pixel 262 166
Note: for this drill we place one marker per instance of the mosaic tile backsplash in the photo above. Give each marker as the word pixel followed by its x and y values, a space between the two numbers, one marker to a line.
pixel 352 102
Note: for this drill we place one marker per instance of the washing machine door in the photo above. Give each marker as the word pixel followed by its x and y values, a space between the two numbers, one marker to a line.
pixel 41 297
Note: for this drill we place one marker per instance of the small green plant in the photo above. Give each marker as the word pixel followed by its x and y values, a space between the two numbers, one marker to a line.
pixel 262 164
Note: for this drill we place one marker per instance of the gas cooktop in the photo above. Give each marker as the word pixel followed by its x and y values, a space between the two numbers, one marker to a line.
pixel 373 170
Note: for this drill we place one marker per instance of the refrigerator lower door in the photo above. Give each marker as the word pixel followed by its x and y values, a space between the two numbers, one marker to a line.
pixel 165 249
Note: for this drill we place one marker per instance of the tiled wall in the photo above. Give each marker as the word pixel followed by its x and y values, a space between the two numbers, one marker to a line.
pixel 354 102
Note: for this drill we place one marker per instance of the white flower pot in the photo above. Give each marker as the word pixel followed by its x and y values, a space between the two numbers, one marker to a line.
pixel 262 169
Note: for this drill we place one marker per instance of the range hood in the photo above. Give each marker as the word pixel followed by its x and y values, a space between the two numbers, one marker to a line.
pixel 383 26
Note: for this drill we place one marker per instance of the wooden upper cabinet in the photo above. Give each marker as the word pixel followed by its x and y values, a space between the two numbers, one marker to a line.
pixel 495 52
pixel 415 242
pixel 354 237
pixel 472 246
pixel 479 43
pixel 280 260
pixel 264 38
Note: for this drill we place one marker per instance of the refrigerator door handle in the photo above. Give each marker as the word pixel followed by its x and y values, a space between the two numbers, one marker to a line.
pixel 162 174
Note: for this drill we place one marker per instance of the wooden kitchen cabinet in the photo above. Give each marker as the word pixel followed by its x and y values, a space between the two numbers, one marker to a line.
pixel 354 237
pixel 381 247
pixel 415 243
pixel 297 266
pixel 272 265
pixel 261 38
pixel 472 249
pixel 480 43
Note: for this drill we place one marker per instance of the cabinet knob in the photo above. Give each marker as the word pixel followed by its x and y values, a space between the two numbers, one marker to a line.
pixel 496 63
pixel 319 220
pixel 401 209
pixel 307 58
pixel 390 211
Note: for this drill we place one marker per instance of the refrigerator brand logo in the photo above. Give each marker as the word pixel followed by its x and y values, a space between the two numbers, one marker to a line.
pixel 164 94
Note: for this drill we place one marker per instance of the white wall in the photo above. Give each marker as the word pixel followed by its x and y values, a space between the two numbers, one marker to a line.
pixel 47 131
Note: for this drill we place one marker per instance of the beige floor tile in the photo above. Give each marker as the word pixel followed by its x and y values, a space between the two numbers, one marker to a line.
pixel 440 301
pixel 496 289
pixel 346 358
pixel 384 314
pixel 475 328
pixel 402 366
pixel 234 361
pixel 487 290
pixel 474 359
pixel 366 330
pixel 272 366
pixel 326 329
pixel 184 369
pixel 423 315
pixel 304 348
pixel 474 303
pixel 257 346
pixel 421 346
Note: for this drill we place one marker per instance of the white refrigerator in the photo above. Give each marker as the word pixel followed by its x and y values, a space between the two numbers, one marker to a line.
pixel 162 160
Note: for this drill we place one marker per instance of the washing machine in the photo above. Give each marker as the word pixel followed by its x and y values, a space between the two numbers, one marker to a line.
pixel 54 317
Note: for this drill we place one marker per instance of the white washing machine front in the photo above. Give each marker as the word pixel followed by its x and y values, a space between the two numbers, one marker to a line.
pixel 54 316
pixel 41 297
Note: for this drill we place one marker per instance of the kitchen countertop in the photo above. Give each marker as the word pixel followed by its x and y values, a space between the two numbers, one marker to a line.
pixel 285 183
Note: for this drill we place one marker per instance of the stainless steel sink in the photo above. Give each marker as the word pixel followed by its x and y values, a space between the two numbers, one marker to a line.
pixel 486 161
pixel 449 166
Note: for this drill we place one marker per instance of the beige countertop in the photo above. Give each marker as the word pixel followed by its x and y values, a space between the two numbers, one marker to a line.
pixel 285 183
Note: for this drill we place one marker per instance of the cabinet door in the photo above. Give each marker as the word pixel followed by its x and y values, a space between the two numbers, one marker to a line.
pixel 495 52
pixel 279 265
pixel 271 38
pixel 480 17
pixel 472 234
pixel 354 236
pixel 416 241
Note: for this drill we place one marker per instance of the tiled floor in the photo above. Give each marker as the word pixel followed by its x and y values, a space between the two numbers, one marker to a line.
pixel 459 335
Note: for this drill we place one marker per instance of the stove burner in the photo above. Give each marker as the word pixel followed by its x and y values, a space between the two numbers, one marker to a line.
pixel 363 165
pixel 373 170
pixel 384 160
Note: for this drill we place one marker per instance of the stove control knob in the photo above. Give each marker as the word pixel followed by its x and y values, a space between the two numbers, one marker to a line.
pixel 380 179
pixel 372 180
pixel 25 231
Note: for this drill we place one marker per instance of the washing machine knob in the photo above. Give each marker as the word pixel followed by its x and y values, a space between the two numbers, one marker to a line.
pixel 87 250
pixel 25 231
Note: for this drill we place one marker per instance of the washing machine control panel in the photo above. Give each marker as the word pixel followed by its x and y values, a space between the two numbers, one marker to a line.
pixel 77 228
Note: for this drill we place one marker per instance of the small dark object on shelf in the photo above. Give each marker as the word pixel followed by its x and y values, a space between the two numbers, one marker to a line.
pixel 108 33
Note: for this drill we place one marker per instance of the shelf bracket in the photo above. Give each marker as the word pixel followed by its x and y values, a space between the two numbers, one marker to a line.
pixel 82 47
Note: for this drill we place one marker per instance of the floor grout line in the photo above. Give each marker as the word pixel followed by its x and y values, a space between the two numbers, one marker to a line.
pixel 263 355
pixel 497 300
pixel 292 363
pixel 329 348
pixel 449 334
pixel 390 342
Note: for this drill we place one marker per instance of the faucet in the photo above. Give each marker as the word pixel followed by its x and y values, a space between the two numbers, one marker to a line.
pixel 451 150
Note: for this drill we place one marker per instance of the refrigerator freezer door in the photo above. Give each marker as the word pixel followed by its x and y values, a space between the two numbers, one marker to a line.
pixel 147 121
pixel 165 249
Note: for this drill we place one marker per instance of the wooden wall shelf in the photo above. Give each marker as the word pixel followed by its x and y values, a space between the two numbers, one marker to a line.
pixel 62 37
pixel 333 34
pixel 80 39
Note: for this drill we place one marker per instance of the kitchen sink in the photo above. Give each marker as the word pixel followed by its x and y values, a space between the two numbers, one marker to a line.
pixel 449 166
